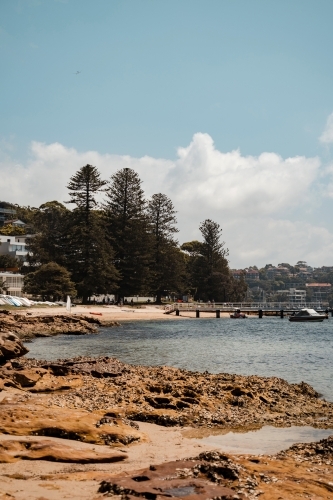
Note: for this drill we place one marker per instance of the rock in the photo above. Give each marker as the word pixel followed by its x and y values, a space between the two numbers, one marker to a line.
pixel 318 452
pixel 52 450
pixel 171 397
pixel 11 347
pixel 28 378
pixel 189 479
pixel 28 327
pixel 78 425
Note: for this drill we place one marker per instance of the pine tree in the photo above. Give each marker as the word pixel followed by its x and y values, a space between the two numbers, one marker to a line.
pixel 168 264
pixel 90 254
pixel 208 267
pixel 125 208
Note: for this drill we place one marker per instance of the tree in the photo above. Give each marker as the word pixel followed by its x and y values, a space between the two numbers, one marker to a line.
pixel 49 243
pixel 90 256
pixel 51 281
pixel 9 262
pixel 83 188
pixel 125 209
pixel 208 267
pixel 12 230
pixel 168 264
pixel 3 286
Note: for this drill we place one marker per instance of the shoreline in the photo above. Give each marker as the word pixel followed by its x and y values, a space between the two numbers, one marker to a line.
pixel 59 420
pixel 83 407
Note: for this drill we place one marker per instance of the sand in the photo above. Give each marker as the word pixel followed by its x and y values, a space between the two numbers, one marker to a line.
pixel 26 480
pixel 122 313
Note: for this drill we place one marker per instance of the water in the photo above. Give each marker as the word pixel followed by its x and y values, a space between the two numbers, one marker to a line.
pixel 267 347
pixel 267 440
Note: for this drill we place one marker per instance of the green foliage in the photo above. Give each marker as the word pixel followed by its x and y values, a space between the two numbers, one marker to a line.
pixel 3 286
pixel 208 268
pixel 89 253
pixel 128 229
pixel 11 230
pixel 25 214
pixel 50 281
pixel 9 262
pixel 83 187
pixel 168 264
pixel 49 243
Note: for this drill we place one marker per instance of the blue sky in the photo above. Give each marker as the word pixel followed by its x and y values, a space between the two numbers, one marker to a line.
pixel 255 75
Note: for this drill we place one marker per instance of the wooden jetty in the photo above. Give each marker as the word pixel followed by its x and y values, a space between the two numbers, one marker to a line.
pixel 255 308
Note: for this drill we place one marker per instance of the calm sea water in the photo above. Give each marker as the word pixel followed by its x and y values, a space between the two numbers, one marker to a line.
pixel 268 347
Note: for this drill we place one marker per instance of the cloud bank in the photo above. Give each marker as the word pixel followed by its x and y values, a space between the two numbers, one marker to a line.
pixel 252 198
pixel 327 135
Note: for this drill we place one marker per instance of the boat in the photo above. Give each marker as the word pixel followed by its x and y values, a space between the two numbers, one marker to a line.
pixel 307 315
pixel 238 314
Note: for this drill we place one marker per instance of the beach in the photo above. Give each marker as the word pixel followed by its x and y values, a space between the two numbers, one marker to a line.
pixel 122 313
pixel 81 428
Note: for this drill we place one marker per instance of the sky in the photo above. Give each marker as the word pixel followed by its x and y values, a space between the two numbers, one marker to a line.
pixel 226 106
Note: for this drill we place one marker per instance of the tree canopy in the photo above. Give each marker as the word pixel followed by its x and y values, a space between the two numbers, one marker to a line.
pixel 50 281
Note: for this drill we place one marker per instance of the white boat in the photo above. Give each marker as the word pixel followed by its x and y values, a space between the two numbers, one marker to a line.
pixel 307 315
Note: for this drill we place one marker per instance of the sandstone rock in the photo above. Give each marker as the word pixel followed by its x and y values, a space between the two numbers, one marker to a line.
pixel 28 378
pixel 169 396
pixel 27 327
pixel 190 479
pixel 52 450
pixel 11 347
pixel 36 419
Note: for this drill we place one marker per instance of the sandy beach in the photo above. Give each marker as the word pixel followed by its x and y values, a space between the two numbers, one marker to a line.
pixel 120 313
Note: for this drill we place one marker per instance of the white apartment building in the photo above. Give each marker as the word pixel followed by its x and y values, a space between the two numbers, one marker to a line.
pixel 13 283
pixel 293 296
pixel 14 245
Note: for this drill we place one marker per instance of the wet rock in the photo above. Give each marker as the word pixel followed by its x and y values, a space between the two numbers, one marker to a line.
pixel 317 452
pixel 183 479
pixel 11 347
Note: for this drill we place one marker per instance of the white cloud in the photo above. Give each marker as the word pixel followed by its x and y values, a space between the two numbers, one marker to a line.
pixel 327 136
pixel 251 197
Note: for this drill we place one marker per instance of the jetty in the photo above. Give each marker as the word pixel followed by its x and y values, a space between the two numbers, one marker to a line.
pixel 259 309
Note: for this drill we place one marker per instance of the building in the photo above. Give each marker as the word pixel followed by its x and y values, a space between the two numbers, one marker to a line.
pixel 238 273
pixel 13 283
pixel 320 291
pixel 277 272
pixel 15 246
pixel 252 275
pixel 14 222
pixel 247 274
pixel 6 213
pixel 293 296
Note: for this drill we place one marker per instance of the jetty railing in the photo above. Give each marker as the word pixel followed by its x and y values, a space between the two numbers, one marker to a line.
pixel 243 306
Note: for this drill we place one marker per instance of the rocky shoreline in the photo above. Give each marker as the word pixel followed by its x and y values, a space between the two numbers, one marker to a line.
pixel 26 326
pixel 94 411
pixel 169 396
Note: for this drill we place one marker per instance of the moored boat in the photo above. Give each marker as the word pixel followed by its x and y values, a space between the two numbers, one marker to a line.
pixel 307 315
pixel 238 314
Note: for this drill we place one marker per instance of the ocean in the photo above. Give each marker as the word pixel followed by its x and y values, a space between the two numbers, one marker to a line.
pixel 267 347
